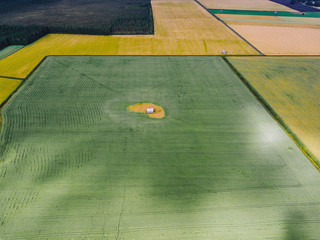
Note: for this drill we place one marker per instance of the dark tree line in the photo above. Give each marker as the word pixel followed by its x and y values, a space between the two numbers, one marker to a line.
pixel 315 3
pixel 11 5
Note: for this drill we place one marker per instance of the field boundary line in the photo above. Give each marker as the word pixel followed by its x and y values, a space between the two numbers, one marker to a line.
pixel 10 95
pixel 313 159
pixel 11 53
pixel 20 84
pixel 297 56
pixel 234 31
pixel 13 78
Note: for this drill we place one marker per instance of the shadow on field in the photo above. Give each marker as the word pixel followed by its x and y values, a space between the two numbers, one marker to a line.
pixel 295 226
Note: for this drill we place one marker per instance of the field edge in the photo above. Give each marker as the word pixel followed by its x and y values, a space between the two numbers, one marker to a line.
pixel 304 149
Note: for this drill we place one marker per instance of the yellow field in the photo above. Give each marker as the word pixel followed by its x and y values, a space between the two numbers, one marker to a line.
pixel 7 86
pixel 181 28
pixel 281 40
pixel 263 5
pixel 291 87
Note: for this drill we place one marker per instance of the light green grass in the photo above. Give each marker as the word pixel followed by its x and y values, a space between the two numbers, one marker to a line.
pixel 79 165
pixel 9 50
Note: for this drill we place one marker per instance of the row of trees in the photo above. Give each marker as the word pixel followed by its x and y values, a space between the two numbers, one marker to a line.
pixel 315 3
pixel 10 5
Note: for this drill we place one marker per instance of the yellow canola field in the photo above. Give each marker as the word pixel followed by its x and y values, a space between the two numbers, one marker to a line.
pixel 7 86
pixel 181 28
pixel 291 86
pixel 262 5
pixel 273 39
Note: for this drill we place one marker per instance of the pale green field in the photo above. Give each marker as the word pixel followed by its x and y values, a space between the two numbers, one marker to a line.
pixel 78 165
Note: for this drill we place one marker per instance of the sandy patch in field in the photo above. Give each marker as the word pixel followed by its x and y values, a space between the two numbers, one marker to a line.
pixel 281 40
pixel 263 5
pixel 142 107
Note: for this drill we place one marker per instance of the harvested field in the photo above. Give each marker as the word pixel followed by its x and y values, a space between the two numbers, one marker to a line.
pixel 9 50
pixel 281 40
pixel 181 28
pixel 270 20
pixel 263 5
pixel 299 20
pixel 7 86
pixel 78 165
pixel 291 87
pixel 271 24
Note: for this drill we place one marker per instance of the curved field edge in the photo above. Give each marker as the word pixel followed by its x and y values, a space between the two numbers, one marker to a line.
pixel 312 158
pixel 209 168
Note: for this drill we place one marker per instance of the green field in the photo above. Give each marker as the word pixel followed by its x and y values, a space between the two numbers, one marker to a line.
pixel 9 50
pixel 266 13
pixel 78 165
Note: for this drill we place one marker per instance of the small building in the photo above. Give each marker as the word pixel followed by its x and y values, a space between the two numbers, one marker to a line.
pixel 224 52
pixel 150 110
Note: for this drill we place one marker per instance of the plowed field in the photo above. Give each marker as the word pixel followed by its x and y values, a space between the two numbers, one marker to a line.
pixel 77 164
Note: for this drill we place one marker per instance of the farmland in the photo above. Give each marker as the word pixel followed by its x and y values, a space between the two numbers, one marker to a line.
pixel 230 152
pixel 263 5
pixel 78 164
pixel 181 28
pixel 7 86
pixel 24 21
pixel 278 35
pixel 9 50
pixel 274 40
pixel 291 87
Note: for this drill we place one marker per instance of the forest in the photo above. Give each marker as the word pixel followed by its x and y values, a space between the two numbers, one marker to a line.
pixel 24 21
